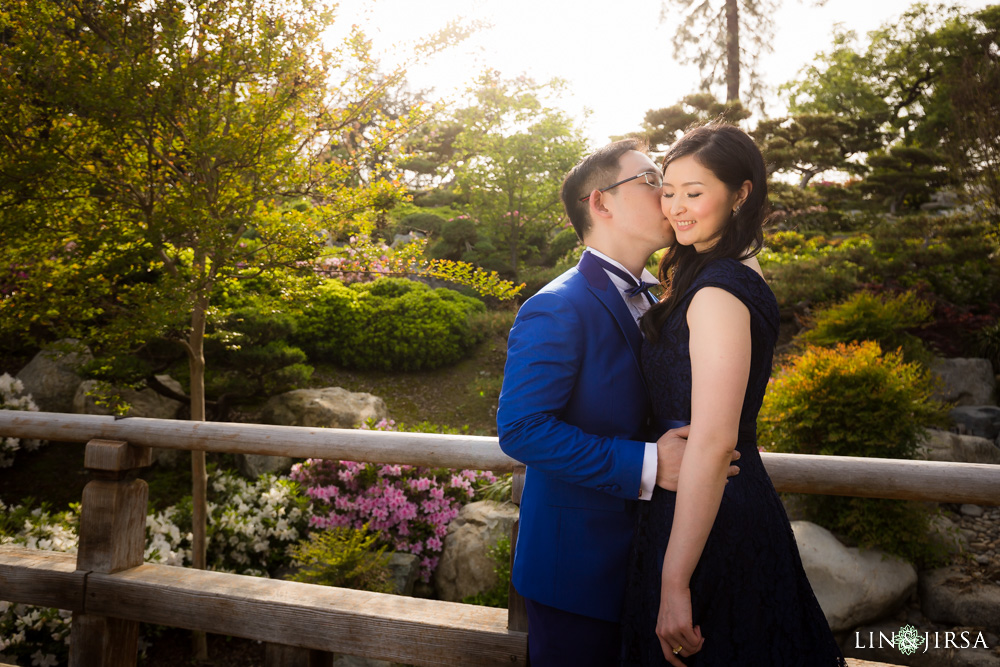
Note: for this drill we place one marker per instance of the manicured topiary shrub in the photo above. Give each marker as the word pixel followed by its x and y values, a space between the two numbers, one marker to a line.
pixel 884 319
pixel 389 324
pixel 855 400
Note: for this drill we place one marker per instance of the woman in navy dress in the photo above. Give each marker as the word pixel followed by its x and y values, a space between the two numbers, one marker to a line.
pixel 715 577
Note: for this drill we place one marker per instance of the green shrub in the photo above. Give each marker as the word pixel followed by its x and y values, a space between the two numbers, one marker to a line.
pixel 988 343
pixel 883 319
pixel 855 400
pixel 950 258
pixel 428 223
pixel 498 595
pixel 561 244
pixel 390 324
pixel 343 557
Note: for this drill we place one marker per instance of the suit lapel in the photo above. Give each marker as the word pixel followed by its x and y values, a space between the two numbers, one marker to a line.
pixel 601 286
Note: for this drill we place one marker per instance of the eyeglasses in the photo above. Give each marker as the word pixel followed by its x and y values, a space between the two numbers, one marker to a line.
pixel 653 179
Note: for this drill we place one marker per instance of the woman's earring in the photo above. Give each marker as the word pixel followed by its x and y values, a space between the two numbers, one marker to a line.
pixel 736 210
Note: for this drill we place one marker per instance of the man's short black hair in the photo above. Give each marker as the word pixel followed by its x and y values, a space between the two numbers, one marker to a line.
pixel 597 170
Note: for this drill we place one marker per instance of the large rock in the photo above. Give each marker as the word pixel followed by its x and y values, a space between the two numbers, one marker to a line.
pixel 466 567
pixel 404 569
pixel 946 532
pixel 144 403
pixel 979 420
pixel 329 407
pixel 52 376
pixel 949 596
pixel 965 381
pixel 947 446
pixel 853 586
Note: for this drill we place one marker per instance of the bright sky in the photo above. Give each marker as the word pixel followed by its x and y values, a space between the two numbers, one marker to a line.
pixel 615 55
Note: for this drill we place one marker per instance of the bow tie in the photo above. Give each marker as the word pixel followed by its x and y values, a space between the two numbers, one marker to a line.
pixel 637 288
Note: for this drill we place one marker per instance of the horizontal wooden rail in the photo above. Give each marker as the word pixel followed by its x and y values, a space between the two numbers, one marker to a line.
pixel 862 477
pixel 373 625
pixel 796 473
pixel 424 449
pixel 49 578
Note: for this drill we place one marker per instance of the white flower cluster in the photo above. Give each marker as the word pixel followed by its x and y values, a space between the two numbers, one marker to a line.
pixel 10 388
pixel 164 541
pixel 28 632
pixel 251 526
pixel 254 523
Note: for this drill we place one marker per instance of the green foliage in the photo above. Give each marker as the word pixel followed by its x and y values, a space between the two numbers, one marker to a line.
pixel 248 356
pixel 662 127
pixel 810 144
pixel 788 198
pixel 848 400
pixel 988 340
pixel 884 319
pixel 950 257
pixel 427 223
pixel 512 154
pixel 498 595
pixel 562 243
pixel 391 323
pixel 855 400
pixel 343 557
pixel 905 176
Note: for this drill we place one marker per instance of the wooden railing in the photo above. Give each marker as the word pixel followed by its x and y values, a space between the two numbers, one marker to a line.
pixel 110 590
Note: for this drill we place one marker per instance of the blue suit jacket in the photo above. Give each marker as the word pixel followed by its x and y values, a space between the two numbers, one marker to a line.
pixel 574 409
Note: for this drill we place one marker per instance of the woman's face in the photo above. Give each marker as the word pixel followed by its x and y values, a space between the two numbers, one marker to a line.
pixel 697 204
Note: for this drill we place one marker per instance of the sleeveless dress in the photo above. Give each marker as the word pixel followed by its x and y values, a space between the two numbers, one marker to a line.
pixel 749 592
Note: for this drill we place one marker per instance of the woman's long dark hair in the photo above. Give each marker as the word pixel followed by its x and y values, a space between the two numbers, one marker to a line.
pixel 733 157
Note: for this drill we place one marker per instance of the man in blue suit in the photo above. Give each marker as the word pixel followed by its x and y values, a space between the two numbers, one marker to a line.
pixel 574 408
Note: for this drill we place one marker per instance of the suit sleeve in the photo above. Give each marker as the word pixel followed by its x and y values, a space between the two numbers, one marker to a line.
pixel 544 355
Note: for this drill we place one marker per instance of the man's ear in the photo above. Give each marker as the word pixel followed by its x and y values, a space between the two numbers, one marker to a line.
pixel 597 205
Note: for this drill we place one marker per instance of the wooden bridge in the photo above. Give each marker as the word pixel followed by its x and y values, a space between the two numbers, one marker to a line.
pixel 110 590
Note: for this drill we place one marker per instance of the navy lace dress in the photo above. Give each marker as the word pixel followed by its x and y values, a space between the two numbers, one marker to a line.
pixel 749 592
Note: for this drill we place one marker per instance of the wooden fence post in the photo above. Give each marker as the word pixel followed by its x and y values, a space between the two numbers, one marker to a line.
pixel 517 613
pixel 112 538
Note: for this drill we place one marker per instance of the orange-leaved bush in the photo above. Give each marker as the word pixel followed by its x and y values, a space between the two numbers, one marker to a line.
pixel 856 400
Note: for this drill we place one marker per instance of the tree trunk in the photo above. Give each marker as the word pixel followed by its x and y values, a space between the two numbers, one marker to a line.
pixel 199 479
pixel 515 230
pixel 732 50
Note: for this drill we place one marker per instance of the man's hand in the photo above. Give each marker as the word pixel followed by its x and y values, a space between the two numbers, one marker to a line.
pixel 670 452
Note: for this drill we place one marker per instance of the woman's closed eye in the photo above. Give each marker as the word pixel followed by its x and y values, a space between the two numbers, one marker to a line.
pixel 691 195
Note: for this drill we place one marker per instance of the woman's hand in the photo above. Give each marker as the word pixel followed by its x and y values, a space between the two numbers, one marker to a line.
pixel 674 625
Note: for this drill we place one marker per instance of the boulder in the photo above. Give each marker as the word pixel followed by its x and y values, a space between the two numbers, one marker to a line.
pixel 947 595
pixel 945 531
pixel 982 421
pixel 965 381
pixel 404 569
pixel 51 378
pixel 144 403
pixel 853 586
pixel 328 407
pixel 466 567
pixel 947 446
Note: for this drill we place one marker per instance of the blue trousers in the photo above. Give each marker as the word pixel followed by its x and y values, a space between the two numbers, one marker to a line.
pixel 558 638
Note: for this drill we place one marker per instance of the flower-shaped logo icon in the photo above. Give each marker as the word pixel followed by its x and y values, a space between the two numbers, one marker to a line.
pixel 908 640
